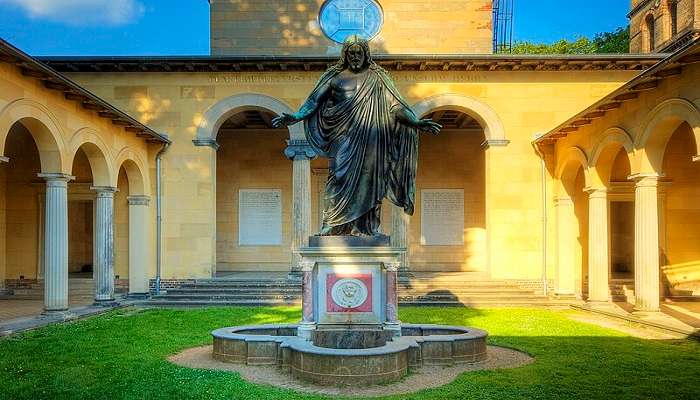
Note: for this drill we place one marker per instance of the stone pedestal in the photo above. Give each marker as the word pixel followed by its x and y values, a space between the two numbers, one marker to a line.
pixel 598 258
pixel 349 286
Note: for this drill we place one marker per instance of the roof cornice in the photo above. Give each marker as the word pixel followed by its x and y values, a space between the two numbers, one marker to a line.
pixel 480 62
pixel 52 79
pixel 647 80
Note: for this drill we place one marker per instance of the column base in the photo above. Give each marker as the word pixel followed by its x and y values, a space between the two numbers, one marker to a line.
pixel 105 303
pixel 295 276
pixel 394 327
pixel 601 305
pixel 57 315
pixel 648 314
pixel 138 296
pixel 305 329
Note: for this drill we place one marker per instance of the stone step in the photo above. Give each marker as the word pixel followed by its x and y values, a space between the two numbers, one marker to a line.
pixel 195 296
pixel 246 302
pixel 249 291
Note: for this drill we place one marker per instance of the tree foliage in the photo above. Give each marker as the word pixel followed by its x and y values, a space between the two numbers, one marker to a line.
pixel 616 42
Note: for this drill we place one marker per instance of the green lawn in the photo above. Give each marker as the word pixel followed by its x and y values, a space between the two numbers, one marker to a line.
pixel 122 355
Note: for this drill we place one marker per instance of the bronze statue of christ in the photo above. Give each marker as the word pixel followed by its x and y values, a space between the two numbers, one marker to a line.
pixel 357 119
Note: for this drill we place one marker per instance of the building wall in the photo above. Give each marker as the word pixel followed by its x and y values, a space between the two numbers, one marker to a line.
pixel 22 198
pixel 688 12
pixel 175 103
pixel 682 199
pixel 284 27
pixel 251 160
pixel 452 160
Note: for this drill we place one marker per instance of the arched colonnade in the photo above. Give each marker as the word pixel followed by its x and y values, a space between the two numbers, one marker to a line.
pixel 597 172
pixel 301 155
pixel 58 149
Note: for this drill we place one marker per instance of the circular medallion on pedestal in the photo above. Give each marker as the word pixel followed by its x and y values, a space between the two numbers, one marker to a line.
pixel 349 293
pixel 342 18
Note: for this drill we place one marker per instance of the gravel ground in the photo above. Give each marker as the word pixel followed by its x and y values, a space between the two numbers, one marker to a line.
pixel 427 377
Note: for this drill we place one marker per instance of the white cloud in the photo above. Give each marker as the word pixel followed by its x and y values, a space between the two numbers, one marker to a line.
pixel 82 12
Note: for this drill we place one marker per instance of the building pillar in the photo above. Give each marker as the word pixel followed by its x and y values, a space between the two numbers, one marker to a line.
pixel 307 300
pixel 566 268
pixel 301 155
pixel 104 244
pixel 598 257
pixel 646 243
pixel 392 297
pixel 3 223
pixel 139 245
pixel 56 242
pixel 399 236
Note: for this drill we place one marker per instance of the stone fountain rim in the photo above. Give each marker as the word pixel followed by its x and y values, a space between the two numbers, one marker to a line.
pixel 302 345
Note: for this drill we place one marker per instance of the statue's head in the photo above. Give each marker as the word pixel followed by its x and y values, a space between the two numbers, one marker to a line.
pixel 355 54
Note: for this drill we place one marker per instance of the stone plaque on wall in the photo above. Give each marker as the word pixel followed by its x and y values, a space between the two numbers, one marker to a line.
pixel 260 217
pixel 442 217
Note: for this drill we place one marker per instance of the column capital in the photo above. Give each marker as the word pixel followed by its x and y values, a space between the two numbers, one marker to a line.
pixel 646 179
pixel 4 159
pixel 104 191
pixel 206 143
pixel 307 266
pixel 299 149
pixel 486 144
pixel 139 200
pixel 57 177
pixel 594 192
pixel 392 266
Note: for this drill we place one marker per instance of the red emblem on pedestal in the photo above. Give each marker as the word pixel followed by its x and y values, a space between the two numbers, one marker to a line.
pixel 349 293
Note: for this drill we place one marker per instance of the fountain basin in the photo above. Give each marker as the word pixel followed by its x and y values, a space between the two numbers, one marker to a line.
pixel 370 356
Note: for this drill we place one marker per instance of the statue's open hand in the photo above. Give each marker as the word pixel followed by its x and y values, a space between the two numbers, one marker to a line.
pixel 429 125
pixel 284 120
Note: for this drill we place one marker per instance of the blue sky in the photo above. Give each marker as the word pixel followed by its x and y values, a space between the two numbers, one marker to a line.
pixel 181 27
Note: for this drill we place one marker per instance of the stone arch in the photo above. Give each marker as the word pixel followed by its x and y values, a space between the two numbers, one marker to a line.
pixel 657 129
pixel 217 114
pixel 484 114
pixel 604 152
pixel 98 155
pixel 44 128
pixel 567 169
pixel 139 184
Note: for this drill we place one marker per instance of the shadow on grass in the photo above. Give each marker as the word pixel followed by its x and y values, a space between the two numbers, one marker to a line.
pixel 123 355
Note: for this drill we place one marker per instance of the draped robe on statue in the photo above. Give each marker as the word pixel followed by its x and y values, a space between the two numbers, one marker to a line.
pixel 372 155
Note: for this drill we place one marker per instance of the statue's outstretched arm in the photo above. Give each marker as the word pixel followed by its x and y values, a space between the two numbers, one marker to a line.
pixel 408 117
pixel 307 109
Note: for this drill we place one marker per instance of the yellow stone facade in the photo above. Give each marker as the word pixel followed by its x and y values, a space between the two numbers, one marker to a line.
pixel 291 27
pixel 571 208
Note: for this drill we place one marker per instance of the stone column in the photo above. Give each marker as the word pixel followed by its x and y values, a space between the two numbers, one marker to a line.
pixel 139 245
pixel 56 242
pixel 307 300
pixel 3 224
pixel 392 298
pixel 301 155
pixel 399 236
pixel 104 244
pixel 566 268
pixel 598 259
pixel 646 243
